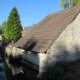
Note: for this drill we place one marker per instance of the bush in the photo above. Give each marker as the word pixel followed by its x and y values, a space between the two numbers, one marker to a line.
pixel 55 72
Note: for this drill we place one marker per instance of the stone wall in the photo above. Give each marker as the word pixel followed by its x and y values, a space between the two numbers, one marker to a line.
pixel 16 52
pixel 31 56
pixel 65 48
pixel 13 51
pixel 31 59
pixel 8 50
pixel 34 60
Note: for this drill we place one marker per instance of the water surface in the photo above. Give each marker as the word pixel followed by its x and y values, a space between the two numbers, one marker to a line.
pixel 16 71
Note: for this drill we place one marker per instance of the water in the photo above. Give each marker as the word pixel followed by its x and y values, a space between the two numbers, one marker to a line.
pixel 16 71
pixel 2 72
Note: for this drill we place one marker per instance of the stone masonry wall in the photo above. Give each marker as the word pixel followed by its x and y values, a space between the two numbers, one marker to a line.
pixel 65 48
pixel 32 57
pixel 15 52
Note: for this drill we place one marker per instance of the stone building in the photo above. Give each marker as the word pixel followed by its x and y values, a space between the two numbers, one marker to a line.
pixel 55 38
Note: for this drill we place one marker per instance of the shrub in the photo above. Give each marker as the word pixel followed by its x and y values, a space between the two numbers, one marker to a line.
pixel 55 72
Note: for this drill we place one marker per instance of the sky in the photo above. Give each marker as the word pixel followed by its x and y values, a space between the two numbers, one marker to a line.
pixel 31 11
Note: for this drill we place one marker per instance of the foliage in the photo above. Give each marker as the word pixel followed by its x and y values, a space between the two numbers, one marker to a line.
pixel 54 73
pixel 64 3
pixel 69 3
pixel 0 30
pixel 2 26
pixel 12 31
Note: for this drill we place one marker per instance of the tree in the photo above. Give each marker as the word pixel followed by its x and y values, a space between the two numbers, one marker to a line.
pixel 69 3
pixel 0 30
pixel 12 31
pixel 2 27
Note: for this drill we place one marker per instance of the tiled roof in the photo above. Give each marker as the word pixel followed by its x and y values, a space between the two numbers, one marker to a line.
pixel 41 37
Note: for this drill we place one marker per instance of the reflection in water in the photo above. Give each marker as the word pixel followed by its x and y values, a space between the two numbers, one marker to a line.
pixel 20 71
pixel 2 72
pixel 16 68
